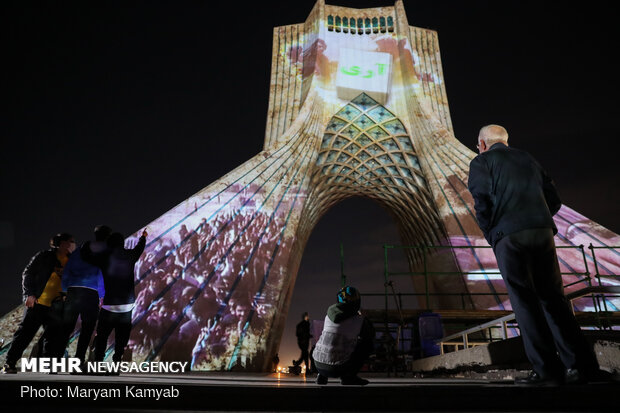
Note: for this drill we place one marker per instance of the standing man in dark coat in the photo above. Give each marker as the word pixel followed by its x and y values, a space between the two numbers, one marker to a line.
pixel 302 331
pixel 117 265
pixel 515 201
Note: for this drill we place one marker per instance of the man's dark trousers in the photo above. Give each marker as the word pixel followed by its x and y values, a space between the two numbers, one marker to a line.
pixel 34 317
pixel 121 324
pixel 303 346
pixel 528 263
pixel 83 302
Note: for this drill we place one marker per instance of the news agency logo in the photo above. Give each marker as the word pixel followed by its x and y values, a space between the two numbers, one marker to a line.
pixel 73 365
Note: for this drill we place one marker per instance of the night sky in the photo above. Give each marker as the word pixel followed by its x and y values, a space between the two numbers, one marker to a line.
pixel 117 112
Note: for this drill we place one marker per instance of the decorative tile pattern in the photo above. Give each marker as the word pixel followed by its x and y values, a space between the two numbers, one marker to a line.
pixel 378 133
pixel 364 102
pixel 380 114
pixel 395 127
pixel 327 140
pixel 371 154
pixel 335 125
pixel 348 112
pixel 363 140
pixel 352 148
pixel 363 122
pixel 350 131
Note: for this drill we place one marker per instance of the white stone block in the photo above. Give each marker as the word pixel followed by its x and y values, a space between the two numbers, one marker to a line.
pixel 363 71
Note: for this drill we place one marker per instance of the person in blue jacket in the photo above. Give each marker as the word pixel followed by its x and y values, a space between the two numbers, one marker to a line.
pixel 83 283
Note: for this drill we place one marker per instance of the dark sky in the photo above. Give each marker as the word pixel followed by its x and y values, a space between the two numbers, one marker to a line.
pixel 117 111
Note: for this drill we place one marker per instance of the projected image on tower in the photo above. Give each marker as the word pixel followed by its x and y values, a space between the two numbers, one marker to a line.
pixel 214 283
pixel 209 280
pixel 206 286
pixel 209 284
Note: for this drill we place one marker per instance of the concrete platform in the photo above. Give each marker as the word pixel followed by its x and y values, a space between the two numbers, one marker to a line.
pixel 262 392
pixel 510 354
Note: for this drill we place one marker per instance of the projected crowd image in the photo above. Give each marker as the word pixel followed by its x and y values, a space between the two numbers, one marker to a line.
pixel 579 242
pixel 207 289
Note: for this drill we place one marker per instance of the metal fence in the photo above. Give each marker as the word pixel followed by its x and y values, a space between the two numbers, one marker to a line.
pixel 585 277
pixel 584 283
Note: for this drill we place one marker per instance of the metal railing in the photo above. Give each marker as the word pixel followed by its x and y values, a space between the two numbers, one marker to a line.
pixel 503 321
pixel 598 292
pixel 586 275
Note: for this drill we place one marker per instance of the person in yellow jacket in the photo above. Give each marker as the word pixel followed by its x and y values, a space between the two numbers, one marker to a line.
pixel 41 285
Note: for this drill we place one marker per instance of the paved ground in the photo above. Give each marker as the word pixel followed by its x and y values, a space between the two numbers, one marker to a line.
pixel 261 392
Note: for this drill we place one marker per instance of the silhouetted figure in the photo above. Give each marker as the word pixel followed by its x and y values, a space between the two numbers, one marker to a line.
pixel 302 331
pixel 346 340
pixel 515 201
pixel 275 361
pixel 41 287
pixel 83 283
pixel 117 265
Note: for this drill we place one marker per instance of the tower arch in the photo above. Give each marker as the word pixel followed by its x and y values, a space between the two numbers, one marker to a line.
pixel 366 151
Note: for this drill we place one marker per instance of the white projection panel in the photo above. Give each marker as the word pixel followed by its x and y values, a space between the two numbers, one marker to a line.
pixel 362 71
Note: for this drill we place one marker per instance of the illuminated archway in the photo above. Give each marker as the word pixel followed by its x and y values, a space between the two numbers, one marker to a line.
pixel 366 151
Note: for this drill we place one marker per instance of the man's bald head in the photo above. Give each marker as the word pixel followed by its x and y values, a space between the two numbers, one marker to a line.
pixel 490 135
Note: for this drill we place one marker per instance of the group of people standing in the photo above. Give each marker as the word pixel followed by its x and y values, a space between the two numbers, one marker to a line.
pixel 94 282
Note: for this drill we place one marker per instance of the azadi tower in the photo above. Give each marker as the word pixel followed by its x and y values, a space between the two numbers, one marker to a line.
pixel 357 107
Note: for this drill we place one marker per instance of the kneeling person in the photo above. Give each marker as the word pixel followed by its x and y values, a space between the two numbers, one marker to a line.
pixel 346 340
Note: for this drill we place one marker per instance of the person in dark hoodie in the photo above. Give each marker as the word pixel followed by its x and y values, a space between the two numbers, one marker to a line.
pixel 346 341
pixel 83 283
pixel 117 265
pixel 302 331
pixel 41 287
